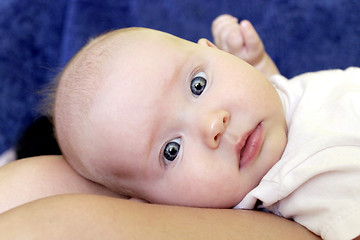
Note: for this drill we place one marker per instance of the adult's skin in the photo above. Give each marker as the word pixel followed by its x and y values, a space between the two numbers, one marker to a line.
pixel 91 216
pixel 30 179
pixel 101 217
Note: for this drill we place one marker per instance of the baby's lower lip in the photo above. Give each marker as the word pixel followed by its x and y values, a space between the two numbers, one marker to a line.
pixel 252 146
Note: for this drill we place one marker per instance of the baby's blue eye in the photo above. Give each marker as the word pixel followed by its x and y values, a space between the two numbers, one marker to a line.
pixel 198 84
pixel 171 150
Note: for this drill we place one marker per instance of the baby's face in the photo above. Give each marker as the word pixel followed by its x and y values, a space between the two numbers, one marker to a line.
pixel 184 123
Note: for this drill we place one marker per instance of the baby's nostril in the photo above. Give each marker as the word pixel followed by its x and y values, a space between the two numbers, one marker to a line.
pixel 225 120
pixel 216 137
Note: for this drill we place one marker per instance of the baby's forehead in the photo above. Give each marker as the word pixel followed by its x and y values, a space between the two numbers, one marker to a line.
pixel 98 51
pixel 107 43
pixel 134 51
pixel 118 58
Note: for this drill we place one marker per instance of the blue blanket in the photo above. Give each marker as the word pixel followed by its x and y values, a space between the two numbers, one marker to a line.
pixel 37 37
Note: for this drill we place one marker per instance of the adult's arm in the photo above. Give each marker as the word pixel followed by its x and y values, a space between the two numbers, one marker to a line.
pixel 101 217
pixel 30 179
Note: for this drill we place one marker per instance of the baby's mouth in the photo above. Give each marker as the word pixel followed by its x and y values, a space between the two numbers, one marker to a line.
pixel 248 148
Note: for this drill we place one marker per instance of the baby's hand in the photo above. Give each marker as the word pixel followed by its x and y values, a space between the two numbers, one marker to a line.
pixel 242 40
pixel 239 39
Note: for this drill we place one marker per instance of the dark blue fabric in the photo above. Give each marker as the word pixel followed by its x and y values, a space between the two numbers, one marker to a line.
pixel 37 38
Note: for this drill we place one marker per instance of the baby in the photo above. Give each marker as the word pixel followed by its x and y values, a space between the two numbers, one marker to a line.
pixel 163 120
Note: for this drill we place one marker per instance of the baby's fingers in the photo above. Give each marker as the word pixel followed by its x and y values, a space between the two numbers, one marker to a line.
pixel 220 22
pixel 232 38
pixel 251 37
pixel 227 33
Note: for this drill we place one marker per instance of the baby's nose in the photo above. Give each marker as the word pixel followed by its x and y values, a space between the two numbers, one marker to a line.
pixel 212 127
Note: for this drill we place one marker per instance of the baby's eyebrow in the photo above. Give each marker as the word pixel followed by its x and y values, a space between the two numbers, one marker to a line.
pixel 171 77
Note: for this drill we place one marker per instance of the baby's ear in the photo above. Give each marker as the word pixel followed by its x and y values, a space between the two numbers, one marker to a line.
pixel 206 42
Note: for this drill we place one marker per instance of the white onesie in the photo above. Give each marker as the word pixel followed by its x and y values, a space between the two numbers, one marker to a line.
pixel 317 180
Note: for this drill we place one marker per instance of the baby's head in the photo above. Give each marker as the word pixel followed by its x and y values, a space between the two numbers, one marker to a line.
pixel 162 119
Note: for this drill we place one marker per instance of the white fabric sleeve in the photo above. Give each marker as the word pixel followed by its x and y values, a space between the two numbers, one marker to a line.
pixel 328 203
